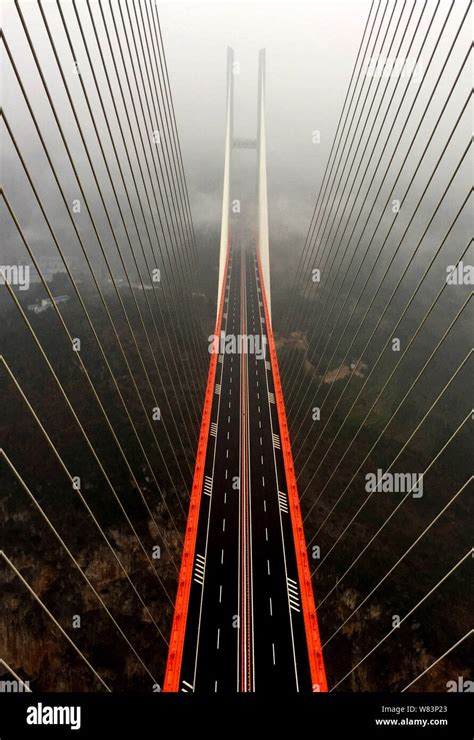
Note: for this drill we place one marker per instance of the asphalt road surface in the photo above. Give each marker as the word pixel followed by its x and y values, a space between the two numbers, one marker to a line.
pixel 245 629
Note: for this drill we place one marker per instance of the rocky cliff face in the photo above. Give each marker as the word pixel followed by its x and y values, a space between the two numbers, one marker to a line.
pixel 118 552
pixel 36 649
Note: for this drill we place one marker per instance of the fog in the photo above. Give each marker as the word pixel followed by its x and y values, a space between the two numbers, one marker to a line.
pixel 304 41
pixel 374 358
pixel 311 48
pixel 310 51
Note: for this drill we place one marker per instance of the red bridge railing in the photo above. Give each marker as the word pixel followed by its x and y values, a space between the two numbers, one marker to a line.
pixel 178 630
pixel 318 672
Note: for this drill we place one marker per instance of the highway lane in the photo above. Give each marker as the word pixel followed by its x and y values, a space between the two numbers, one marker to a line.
pixel 210 656
pixel 245 629
pixel 281 652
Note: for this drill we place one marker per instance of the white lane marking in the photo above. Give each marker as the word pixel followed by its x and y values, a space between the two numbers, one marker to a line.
pixel 250 549
pixel 264 504
pixel 283 502
pixel 207 485
pixel 228 434
pixel 228 419
pixel 268 567
pixel 215 687
pixel 225 497
pixel 226 473
pixel 218 637
pixel 227 453
pixel 259 424
pixel 222 556
pixel 271 607
pixel 293 595
pixel 199 569
pixel 220 594
pixel 230 403
pixel 268 367
pixel 213 429
pixel 261 459
pixel 294 604
pixel 276 441
pixel 259 409
pixel 218 388
pixel 266 534
pixel 263 481
pixel 261 442
pixel 223 524
pixel 273 650
pixel 188 684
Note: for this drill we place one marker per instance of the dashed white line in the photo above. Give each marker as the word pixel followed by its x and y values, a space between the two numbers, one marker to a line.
pixel 271 607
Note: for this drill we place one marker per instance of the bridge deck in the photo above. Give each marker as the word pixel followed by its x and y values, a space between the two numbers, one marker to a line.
pixel 247 617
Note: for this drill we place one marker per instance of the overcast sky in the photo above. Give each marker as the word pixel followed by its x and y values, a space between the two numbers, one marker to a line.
pixel 311 48
pixel 310 52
